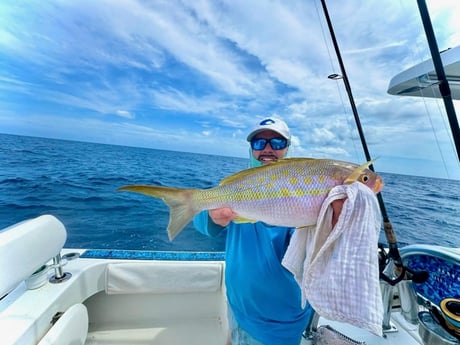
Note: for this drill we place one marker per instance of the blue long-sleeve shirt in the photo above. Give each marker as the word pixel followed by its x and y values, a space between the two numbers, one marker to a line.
pixel 263 296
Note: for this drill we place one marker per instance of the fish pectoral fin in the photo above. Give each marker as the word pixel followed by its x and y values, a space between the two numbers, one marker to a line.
pixel 239 220
pixel 306 227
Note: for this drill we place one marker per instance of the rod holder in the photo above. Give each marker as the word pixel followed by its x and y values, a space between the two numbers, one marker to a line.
pixel 312 326
pixel 59 275
pixel 387 289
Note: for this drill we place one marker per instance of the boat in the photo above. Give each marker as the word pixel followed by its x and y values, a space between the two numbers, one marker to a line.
pixel 421 80
pixel 50 294
pixel 56 295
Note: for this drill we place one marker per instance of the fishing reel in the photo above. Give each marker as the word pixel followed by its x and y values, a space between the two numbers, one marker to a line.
pixel 400 271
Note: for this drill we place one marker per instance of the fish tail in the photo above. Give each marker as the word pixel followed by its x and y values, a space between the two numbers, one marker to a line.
pixel 181 210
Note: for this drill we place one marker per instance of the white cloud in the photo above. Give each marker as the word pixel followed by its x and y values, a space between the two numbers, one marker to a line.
pixel 207 70
pixel 125 114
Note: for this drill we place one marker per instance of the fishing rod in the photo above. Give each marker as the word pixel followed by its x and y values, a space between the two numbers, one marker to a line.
pixel 393 251
pixel 444 87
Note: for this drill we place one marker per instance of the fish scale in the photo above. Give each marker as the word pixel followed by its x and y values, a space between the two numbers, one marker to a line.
pixel 288 192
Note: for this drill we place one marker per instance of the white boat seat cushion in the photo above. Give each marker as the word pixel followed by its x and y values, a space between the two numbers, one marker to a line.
pixel 163 277
pixel 70 329
pixel 26 246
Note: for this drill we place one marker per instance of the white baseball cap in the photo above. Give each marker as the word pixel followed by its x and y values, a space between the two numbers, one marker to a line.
pixel 271 124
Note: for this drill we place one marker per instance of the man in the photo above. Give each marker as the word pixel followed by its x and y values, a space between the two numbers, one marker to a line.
pixel 264 300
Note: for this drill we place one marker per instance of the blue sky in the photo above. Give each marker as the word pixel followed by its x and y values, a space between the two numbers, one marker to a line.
pixel 196 75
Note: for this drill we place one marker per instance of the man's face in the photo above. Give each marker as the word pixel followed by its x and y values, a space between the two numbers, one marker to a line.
pixel 268 154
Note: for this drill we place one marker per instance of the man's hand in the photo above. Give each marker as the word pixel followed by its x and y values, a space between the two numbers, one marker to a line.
pixel 337 206
pixel 222 216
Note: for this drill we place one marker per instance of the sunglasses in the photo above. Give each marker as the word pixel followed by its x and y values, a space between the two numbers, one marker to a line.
pixel 276 143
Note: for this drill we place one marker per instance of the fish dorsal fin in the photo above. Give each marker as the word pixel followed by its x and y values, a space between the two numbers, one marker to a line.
pixel 252 171
pixel 353 177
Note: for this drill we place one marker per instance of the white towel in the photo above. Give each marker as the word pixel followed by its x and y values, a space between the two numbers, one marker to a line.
pixel 337 269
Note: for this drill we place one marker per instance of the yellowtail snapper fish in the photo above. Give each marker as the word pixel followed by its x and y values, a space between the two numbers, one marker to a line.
pixel 288 192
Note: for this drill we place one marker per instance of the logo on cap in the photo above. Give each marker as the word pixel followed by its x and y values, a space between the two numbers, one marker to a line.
pixel 267 122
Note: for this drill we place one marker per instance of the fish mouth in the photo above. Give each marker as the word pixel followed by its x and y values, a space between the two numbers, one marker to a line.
pixel 378 185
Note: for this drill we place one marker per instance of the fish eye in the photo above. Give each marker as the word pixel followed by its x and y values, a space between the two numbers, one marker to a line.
pixel 365 178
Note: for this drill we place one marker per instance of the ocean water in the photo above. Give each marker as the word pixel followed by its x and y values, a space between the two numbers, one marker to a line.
pixel 77 182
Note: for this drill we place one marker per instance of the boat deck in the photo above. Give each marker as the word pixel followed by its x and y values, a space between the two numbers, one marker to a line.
pixel 199 331
pixel 204 331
